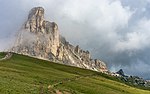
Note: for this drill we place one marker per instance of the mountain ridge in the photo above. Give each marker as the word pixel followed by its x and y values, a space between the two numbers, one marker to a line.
pixel 40 38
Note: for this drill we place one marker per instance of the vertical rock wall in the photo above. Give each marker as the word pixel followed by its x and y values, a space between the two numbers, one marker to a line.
pixel 40 38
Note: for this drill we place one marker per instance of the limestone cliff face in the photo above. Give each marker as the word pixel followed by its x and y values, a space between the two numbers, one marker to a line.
pixel 77 57
pixel 40 38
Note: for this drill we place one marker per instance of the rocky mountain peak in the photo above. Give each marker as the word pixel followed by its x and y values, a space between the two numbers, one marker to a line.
pixel 120 72
pixel 44 36
pixel 41 38
pixel 36 22
pixel 36 12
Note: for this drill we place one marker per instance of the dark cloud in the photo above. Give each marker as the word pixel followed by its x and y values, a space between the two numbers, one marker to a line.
pixel 116 31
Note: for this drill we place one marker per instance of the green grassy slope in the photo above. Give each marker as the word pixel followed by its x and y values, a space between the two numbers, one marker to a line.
pixel 2 55
pixel 26 75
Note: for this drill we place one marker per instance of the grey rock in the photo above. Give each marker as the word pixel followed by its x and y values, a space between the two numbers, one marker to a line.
pixel 120 72
pixel 41 38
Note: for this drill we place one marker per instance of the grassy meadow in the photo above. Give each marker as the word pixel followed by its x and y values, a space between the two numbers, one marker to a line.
pixel 26 75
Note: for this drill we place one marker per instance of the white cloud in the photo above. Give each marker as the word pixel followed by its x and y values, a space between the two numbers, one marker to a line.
pixel 99 21
pixel 103 15
pixel 6 43
pixel 138 38
pixel 139 67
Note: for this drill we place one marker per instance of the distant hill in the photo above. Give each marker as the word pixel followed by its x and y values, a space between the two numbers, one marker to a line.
pixel 21 74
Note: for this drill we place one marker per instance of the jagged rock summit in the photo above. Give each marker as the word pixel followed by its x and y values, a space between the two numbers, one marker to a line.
pixel 41 39
pixel 120 72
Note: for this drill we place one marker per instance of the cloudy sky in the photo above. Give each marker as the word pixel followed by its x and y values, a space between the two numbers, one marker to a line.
pixel 115 31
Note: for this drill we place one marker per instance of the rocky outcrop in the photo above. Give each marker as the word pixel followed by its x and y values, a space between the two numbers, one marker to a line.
pixel 135 81
pixel 40 38
pixel 131 80
pixel 120 72
pixel 7 56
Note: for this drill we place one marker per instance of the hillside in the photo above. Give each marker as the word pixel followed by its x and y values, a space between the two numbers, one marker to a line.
pixel 26 75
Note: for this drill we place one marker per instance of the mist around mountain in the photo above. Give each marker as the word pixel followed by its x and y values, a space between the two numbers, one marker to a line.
pixel 41 38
